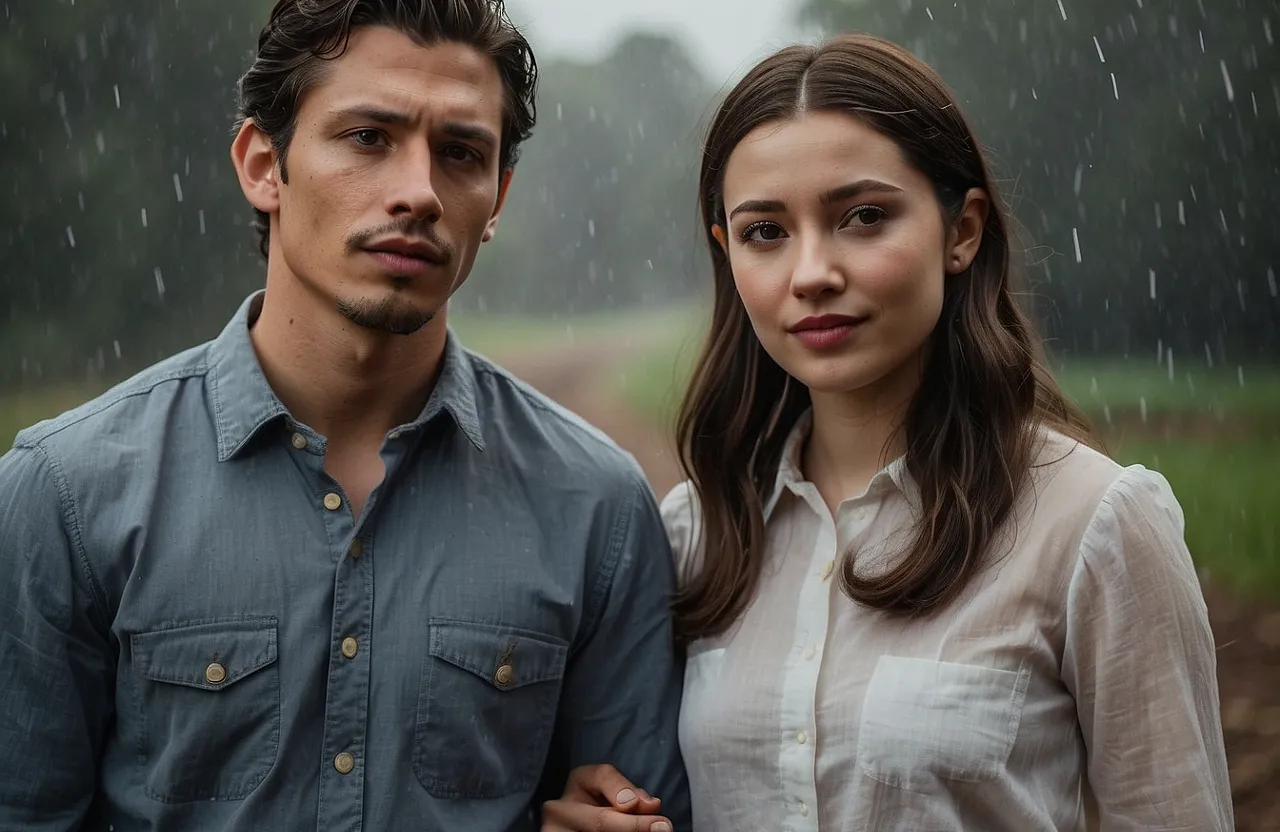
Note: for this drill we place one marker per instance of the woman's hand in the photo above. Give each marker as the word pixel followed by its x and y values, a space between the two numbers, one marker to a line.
pixel 599 799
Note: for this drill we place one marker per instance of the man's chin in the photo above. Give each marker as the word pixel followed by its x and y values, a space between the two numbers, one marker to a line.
pixel 393 315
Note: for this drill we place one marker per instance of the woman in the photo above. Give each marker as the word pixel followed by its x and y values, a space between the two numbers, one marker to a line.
pixel 915 594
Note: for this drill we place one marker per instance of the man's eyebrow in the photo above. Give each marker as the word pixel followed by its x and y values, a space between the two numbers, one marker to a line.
pixel 470 132
pixel 380 115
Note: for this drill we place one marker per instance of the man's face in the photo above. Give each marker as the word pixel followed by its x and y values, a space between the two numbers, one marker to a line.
pixel 393 178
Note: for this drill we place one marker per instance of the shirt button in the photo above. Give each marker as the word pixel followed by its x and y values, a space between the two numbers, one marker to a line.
pixel 828 569
pixel 215 674
pixel 344 763
pixel 504 675
pixel 350 647
pixel 357 549
pixel 332 501
pixel 809 653
pixel 802 737
pixel 299 441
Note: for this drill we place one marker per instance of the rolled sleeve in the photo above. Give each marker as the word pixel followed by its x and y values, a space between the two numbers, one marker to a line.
pixel 55 670
pixel 1140 662
pixel 622 694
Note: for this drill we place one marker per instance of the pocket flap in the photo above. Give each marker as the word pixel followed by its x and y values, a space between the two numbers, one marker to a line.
pixel 505 657
pixel 211 655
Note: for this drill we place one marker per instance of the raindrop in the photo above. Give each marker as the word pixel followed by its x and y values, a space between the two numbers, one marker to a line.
pixel 1098 46
pixel 1159 219
pixel 159 282
pixel 101 142
pixel 1115 90
pixel 144 217
pixel 1182 213
pixel 1170 364
pixel 116 346
pixel 71 237
pixel 1240 375
pixel 116 89
pixel 1079 176
pixel 591 227
pixel 559 111
pixel 1226 80
pixel 929 12
pixel 1062 9
pixel 200 214
pixel 177 187
pixel 1271 280
pixel 1075 239
pixel 1151 276
pixel 1142 408
pixel 1266 30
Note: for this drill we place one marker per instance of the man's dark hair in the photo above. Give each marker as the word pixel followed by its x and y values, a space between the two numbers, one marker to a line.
pixel 302 35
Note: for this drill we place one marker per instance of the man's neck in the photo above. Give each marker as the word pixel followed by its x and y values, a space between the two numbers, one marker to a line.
pixel 346 382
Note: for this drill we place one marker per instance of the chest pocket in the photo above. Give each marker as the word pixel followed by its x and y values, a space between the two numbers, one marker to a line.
pixel 207 701
pixel 927 721
pixel 487 702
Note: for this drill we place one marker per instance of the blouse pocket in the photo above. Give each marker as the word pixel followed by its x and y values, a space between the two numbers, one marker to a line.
pixel 927 720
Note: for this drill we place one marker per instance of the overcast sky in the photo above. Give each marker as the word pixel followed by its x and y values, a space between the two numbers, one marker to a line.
pixel 725 36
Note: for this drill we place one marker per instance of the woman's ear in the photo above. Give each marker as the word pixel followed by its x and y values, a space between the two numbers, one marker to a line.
pixel 717 231
pixel 965 236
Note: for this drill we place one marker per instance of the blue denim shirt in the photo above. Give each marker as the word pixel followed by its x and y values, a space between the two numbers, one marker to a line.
pixel 199 635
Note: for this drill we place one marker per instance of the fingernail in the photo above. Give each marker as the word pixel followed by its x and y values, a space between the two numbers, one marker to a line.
pixel 626 796
pixel 660 826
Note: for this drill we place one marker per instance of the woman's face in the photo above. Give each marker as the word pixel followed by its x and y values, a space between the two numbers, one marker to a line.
pixel 839 250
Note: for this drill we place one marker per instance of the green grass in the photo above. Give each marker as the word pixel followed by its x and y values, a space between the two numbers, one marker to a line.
pixel 1231 499
pixel 1137 386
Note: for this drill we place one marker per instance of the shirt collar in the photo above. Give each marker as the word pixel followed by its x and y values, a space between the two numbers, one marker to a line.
pixel 243 402
pixel 893 477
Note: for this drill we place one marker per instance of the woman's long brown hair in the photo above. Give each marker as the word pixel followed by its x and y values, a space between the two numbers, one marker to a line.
pixel 971 429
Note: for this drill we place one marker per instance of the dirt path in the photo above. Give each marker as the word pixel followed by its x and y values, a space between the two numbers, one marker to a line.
pixel 1248 636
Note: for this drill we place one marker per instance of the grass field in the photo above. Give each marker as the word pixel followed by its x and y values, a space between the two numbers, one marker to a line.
pixel 1215 433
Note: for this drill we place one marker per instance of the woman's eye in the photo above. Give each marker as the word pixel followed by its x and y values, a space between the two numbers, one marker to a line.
pixel 763 232
pixel 866 215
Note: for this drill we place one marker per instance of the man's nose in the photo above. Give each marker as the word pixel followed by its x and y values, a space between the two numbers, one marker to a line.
pixel 413 191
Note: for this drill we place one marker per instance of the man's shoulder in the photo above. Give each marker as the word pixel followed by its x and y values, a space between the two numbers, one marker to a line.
pixel 116 411
pixel 564 444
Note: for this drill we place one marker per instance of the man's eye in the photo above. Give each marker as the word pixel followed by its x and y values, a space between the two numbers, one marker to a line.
pixel 367 138
pixel 460 153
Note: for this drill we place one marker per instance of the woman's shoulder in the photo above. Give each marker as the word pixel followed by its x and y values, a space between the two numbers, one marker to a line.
pixel 682 519
pixel 1074 484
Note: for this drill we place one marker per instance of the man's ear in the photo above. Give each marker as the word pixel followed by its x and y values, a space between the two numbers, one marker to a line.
pixel 257 167
pixel 504 185
pixel 965 236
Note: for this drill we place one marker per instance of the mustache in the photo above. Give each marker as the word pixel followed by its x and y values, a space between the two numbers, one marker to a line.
pixel 409 228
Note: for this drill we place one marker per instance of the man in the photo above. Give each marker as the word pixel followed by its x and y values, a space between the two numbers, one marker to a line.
pixel 330 571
